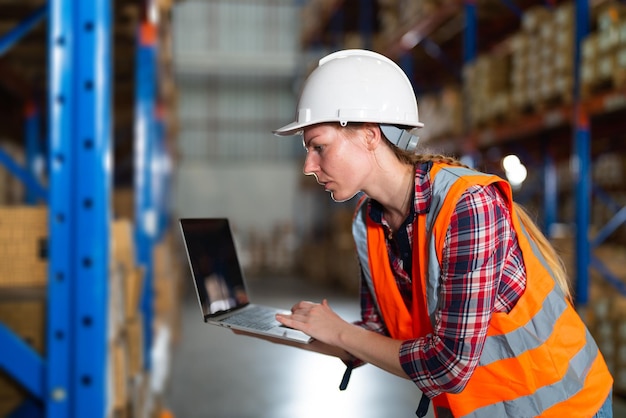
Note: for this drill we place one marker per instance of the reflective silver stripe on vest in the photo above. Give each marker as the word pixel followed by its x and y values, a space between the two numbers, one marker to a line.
pixel 546 396
pixel 510 345
pixel 440 190
pixel 530 336
pixel 359 232
pixel 536 331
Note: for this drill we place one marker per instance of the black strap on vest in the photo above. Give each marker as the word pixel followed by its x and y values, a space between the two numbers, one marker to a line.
pixel 346 376
pixel 422 408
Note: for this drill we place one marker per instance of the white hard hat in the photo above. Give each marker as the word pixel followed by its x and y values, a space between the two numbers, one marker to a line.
pixel 356 85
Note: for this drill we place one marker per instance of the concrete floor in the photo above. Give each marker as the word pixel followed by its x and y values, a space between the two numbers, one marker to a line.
pixel 217 374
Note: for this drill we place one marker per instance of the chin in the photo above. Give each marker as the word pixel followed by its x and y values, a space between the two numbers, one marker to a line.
pixel 341 198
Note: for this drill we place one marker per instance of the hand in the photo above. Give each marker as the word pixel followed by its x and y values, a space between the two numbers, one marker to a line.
pixel 315 319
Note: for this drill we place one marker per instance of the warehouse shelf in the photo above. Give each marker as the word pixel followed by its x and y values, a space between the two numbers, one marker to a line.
pixel 529 125
pixel 535 123
pixel 426 45
pixel 414 32
pixel 606 102
pixel 71 378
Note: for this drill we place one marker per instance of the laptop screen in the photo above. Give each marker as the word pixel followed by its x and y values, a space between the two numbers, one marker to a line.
pixel 214 265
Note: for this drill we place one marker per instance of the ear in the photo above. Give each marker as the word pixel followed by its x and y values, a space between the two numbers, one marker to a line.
pixel 372 134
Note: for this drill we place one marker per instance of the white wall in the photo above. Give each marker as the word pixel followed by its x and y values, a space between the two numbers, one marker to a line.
pixel 236 62
pixel 254 195
pixel 241 37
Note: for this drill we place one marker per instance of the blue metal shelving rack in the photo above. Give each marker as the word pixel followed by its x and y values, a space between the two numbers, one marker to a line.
pixel 582 156
pixel 146 182
pixel 71 379
pixel 581 153
pixel 80 187
pixel 585 189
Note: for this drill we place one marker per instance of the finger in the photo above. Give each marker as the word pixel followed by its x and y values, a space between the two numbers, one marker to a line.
pixel 303 304
pixel 289 320
pixel 283 317
pixel 307 304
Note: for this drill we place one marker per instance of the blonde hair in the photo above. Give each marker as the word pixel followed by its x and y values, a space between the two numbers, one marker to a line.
pixel 555 263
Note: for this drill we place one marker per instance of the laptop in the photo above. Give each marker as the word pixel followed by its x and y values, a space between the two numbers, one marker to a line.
pixel 217 276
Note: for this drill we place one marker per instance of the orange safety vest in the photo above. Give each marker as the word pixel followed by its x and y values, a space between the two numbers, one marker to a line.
pixel 538 360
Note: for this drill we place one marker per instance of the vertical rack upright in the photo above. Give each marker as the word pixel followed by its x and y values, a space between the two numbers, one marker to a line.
pixel 582 155
pixel 146 210
pixel 79 105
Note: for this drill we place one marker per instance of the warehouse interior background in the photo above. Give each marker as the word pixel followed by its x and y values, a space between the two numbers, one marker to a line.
pixel 119 117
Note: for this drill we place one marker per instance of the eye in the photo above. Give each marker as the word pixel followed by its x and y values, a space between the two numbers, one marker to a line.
pixel 318 148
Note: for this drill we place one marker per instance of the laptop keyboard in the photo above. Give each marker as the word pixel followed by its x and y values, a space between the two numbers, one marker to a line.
pixel 257 317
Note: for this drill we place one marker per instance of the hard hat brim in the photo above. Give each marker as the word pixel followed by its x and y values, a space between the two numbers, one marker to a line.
pixel 296 128
pixel 293 128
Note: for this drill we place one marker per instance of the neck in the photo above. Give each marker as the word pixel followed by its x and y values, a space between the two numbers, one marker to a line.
pixel 398 203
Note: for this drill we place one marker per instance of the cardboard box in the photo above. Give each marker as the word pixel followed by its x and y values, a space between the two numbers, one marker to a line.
pixel 134 339
pixel 118 369
pixel 23 246
pixel 124 203
pixel 23 313
pixel 134 281
pixel 122 243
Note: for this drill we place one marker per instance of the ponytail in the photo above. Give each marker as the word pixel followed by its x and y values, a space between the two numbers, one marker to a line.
pixel 555 263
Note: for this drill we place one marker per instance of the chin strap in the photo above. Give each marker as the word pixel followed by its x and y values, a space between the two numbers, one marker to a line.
pixel 401 138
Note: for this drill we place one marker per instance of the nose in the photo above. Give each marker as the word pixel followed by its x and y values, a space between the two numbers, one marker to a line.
pixel 310 165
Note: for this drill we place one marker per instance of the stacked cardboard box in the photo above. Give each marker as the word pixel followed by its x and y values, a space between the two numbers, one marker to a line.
pixel 603 61
pixel 409 11
pixel 137 392
pixel 543 58
pixel 487 88
pixel 23 272
pixel 531 71
pixel 168 261
pixel 442 114
pixel 126 353
pixel 24 246
pixel 314 14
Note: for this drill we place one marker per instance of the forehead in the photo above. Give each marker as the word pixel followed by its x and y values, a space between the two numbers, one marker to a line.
pixel 322 130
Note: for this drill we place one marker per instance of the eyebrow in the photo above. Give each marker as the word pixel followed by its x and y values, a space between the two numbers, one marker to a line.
pixel 306 143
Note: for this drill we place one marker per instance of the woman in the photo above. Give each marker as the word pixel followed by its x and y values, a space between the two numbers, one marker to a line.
pixel 461 293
